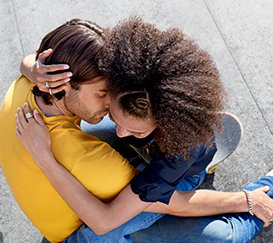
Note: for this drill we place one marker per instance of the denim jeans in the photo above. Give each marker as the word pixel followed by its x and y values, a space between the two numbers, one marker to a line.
pixel 240 227
pixel 122 234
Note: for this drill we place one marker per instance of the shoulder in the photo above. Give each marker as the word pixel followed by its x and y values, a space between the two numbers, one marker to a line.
pixel 100 168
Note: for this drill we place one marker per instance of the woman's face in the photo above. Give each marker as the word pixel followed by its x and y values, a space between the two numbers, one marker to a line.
pixel 127 125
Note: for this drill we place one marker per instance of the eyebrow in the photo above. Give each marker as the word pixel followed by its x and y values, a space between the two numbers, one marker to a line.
pixel 110 115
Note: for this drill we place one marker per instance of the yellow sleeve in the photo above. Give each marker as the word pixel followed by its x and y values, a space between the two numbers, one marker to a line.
pixel 100 168
pixel 103 171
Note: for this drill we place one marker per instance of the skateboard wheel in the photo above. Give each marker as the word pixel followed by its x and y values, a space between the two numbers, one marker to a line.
pixel 212 169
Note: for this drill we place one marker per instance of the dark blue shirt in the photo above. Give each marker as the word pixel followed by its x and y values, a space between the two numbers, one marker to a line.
pixel 158 181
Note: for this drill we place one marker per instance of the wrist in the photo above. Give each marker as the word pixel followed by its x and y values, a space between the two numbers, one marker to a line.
pixel 249 202
pixel 239 202
pixel 45 160
pixel 243 202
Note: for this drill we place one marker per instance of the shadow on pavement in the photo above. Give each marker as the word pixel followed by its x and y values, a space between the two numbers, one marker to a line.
pixel 43 241
pixel 208 182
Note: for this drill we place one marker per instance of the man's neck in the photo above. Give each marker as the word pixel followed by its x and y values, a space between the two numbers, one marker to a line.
pixel 56 109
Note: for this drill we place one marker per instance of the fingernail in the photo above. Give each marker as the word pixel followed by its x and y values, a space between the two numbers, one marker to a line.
pixel 19 108
pixel 26 103
pixel 35 111
pixel 16 114
pixel 65 66
pixel 67 80
pixel 69 74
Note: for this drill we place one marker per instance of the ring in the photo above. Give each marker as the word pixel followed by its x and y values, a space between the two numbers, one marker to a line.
pixel 49 90
pixel 46 84
pixel 28 115
pixel 271 221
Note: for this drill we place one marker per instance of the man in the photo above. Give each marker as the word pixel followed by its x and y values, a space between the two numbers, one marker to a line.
pixel 102 170
pixel 210 202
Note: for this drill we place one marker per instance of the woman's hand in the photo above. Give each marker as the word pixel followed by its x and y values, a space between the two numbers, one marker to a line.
pixel 38 73
pixel 33 133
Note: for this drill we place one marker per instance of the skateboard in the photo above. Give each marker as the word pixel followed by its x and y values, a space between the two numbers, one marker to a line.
pixel 227 141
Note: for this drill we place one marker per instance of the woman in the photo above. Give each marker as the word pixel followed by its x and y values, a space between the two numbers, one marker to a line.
pixel 165 78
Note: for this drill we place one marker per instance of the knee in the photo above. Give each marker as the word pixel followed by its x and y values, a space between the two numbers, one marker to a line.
pixel 219 231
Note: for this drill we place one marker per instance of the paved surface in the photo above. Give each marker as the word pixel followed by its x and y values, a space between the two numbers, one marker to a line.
pixel 237 33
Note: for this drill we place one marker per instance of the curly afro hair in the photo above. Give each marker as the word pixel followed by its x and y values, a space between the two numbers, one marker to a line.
pixel 184 90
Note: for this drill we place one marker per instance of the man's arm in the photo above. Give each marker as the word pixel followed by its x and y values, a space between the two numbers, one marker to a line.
pixel 200 203
pixel 37 72
pixel 103 217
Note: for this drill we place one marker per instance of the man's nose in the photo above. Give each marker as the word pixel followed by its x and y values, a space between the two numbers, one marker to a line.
pixel 107 101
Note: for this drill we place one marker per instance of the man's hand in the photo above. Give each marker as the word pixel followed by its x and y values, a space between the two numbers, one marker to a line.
pixel 262 204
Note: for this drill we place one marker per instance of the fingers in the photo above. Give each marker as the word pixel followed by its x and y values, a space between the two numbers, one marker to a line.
pixel 46 80
pixel 42 68
pixel 45 54
pixel 23 117
pixel 28 112
pixel 53 68
pixel 262 205
pixel 55 82
pixel 267 222
pixel 19 126
pixel 265 188
pixel 52 90
pixel 21 121
pixel 61 77
pixel 38 118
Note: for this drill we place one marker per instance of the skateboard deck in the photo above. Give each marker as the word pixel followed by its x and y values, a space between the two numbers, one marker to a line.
pixel 227 141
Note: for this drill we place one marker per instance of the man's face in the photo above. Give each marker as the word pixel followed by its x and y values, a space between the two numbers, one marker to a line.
pixel 90 102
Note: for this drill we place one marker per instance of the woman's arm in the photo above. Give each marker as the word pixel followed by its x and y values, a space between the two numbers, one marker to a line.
pixel 100 217
pixel 103 217
pixel 37 72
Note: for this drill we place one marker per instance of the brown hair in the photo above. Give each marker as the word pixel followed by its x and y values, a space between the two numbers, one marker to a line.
pixel 183 83
pixel 75 43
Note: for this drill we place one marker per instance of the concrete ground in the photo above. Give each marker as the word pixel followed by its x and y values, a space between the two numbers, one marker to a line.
pixel 237 33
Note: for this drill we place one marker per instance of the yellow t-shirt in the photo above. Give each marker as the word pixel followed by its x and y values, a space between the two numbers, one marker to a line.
pixel 102 170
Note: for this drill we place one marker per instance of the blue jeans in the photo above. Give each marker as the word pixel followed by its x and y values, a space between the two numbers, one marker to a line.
pixel 142 221
pixel 239 227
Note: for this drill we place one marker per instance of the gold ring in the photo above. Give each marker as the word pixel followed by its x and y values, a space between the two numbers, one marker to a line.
pixel 50 92
pixel 28 115
pixel 46 84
